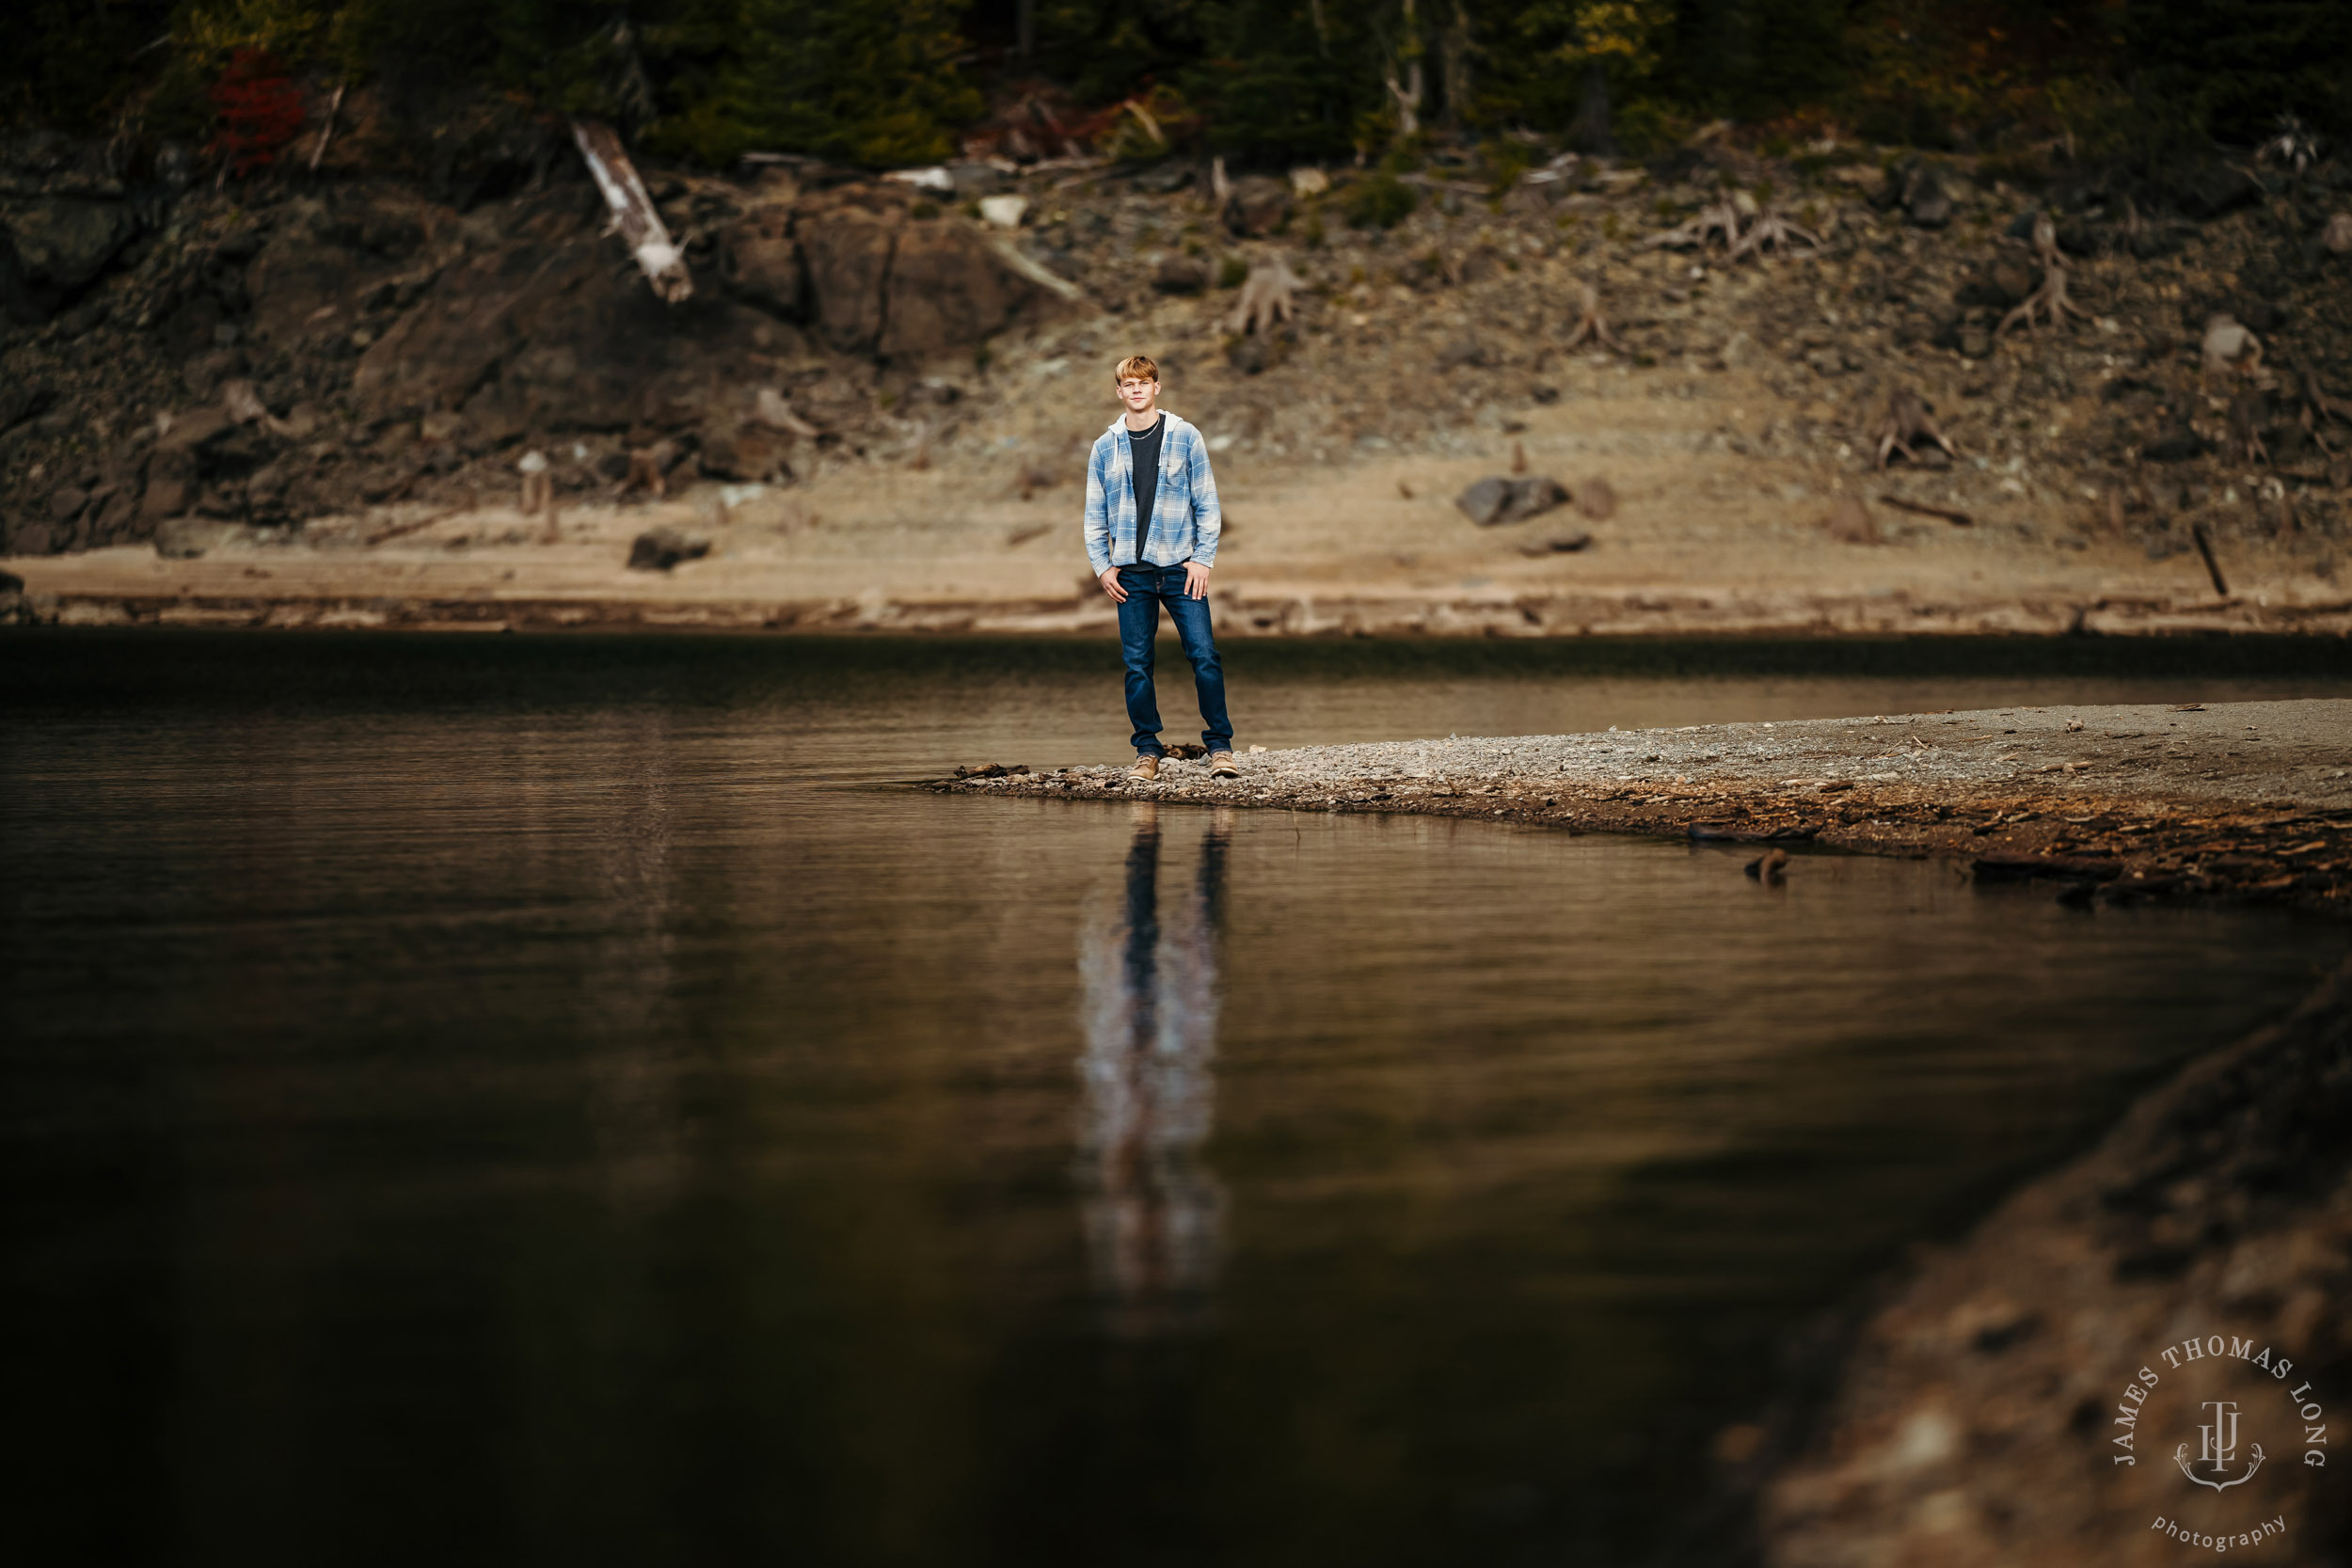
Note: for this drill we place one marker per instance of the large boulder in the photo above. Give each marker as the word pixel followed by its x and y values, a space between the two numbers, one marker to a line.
pixel 950 289
pixel 545 335
pixel 1257 206
pixel 761 262
pixel 870 278
pixel 171 484
pixel 16 301
pixel 846 254
pixel 301 284
pixel 2207 188
pixel 60 244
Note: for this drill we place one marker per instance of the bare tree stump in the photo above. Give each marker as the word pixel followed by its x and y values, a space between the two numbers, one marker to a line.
pixel 1268 294
pixel 2050 300
pixel 644 470
pixel 1909 418
pixel 1700 231
pixel 1771 230
pixel 2246 419
pixel 2229 346
pixel 2046 248
pixel 1589 322
pixel 538 483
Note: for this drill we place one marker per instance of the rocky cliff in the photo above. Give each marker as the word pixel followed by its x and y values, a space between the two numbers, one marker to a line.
pixel 301 346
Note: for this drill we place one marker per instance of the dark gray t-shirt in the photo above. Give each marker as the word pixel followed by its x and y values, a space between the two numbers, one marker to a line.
pixel 1145 446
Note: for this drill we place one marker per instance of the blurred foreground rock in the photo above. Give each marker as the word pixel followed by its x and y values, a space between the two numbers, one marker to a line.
pixel 1978 1418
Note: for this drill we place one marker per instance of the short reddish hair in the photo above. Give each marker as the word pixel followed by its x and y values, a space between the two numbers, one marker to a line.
pixel 1137 367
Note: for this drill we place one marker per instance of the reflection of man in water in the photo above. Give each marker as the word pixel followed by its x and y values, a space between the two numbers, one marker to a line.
pixel 1152 1214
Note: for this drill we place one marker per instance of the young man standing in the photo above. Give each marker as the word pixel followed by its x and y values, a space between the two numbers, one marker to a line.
pixel 1152 526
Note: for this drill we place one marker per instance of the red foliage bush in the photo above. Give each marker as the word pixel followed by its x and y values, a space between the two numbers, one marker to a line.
pixel 260 110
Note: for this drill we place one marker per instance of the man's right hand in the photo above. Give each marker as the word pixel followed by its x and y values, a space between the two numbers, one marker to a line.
pixel 1109 579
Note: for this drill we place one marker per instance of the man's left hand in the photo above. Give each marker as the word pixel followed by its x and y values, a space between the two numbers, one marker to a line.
pixel 1196 579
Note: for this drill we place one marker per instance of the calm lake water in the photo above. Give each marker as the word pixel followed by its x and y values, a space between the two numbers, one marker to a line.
pixel 552 1101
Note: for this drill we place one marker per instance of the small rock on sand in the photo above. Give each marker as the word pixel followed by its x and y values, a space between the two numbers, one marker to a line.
pixel 658 550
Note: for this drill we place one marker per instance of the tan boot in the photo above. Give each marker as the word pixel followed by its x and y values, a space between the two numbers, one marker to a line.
pixel 1146 769
pixel 1222 766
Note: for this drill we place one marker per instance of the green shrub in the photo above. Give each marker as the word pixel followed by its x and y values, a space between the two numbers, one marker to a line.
pixel 1379 200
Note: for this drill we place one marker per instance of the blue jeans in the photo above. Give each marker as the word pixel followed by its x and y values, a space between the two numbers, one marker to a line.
pixel 1147 588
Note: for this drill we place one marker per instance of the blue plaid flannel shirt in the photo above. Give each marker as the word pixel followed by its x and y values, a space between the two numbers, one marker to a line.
pixel 1184 518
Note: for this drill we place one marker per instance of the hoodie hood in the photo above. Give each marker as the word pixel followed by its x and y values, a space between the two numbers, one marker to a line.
pixel 1174 421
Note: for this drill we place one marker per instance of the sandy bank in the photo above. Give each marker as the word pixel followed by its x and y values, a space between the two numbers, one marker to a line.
pixel 1716 526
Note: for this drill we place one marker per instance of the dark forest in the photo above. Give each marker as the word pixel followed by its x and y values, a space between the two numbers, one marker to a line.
pixel 1256 81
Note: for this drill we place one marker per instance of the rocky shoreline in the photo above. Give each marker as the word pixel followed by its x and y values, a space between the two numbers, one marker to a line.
pixel 2106 804
pixel 1959 1413
pixel 94 590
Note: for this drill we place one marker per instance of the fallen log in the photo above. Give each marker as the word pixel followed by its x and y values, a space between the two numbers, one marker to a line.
pixel 634 215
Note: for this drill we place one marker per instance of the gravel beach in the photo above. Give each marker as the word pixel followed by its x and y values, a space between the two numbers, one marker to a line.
pixel 2249 800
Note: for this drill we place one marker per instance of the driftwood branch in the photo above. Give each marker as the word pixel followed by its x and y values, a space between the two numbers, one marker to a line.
pixel 634 215
pixel 1959 520
pixel 770 410
pixel 2212 568
pixel 334 105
